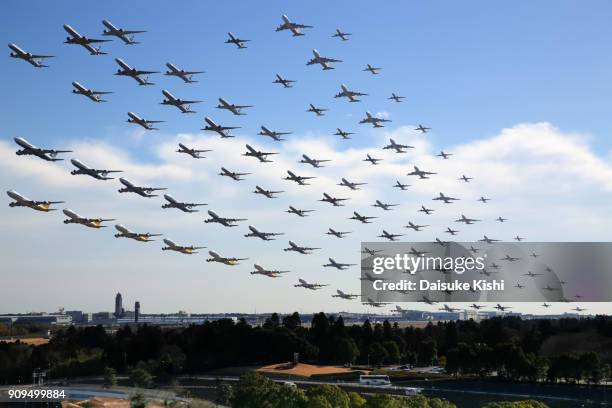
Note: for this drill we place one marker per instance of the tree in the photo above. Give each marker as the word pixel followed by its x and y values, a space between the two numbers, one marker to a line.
pixel 138 401
pixel 332 394
pixel 292 321
pixel 110 377
pixel 225 393
pixel 141 377
pixel 356 400
pixel 378 354
pixel 393 352
pixel 347 350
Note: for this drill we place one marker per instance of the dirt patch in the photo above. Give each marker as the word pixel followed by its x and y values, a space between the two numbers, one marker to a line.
pixel 31 341
pixel 302 370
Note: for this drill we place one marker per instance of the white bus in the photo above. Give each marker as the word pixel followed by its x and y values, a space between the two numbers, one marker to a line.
pixel 374 380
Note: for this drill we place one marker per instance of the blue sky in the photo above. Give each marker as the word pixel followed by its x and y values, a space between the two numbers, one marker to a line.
pixel 468 70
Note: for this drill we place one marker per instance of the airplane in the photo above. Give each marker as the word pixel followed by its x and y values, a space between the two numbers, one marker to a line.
pixel 316 111
pixel 185 207
pixel 74 218
pixel 30 149
pixel 373 70
pixel 220 130
pixel 299 213
pixel 446 199
pixel 347 296
pixel 451 231
pixel 422 129
pixel 233 175
pixel 141 191
pixel 416 252
pixel 21 201
pixel 396 98
pixel 371 252
pixel 313 162
pixel 235 40
pixel 145 123
pixel 502 308
pixel 97 174
pixel 90 93
pixel 124 35
pixel 384 206
pixel 186 76
pixel 325 62
pixel 449 309
pixel 370 278
pixel 182 105
pixel 373 303
pixel 302 250
pixel 399 148
pixel 578 309
pixel 344 135
pixel 475 306
pixel 215 257
pixel 534 255
pixel 371 159
pixel 187 250
pixel 361 218
pixel 259 155
pixel 270 273
pixel 483 200
pixel 293 27
pixel 488 240
pixel 494 266
pixel 226 222
pixel 273 134
pixel 33 59
pixel 312 286
pixel 333 264
pixel 332 200
pixel 466 220
pixel 337 234
pixel 266 236
pixel 427 211
pixel 347 93
pixel 195 153
pixel 422 174
pixel 474 250
pixel 465 178
pixel 501 219
pixel 509 258
pixel 126 233
pixel 401 186
pixel 519 286
pixel 531 274
pixel 374 120
pixel 445 156
pixel 235 109
pixel 440 242
pixel 546 305
pixel 77 39
pixel 341 35
pixel 298 179
pixel 351 185
pixel 267 193
pixel 134 73
pixel 517 238
pixel 390 237
pixel 427 300
pixel 415 226
pixel 284 82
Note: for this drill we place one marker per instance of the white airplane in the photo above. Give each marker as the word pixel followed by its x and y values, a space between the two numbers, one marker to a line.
pixel 74 218
pixel 488 240
pixel 338 265
pixel 300 249
pixel 484 201
pixel 416 252
pixel 399 148
pixel 396 98
pixel 371 252
pixel 422 129
pixel 145 123
pixel 266 236
pixel 373 120
pixel 443 155
pixel 274 135
pixel 466 178
pixel 501 219
pixel 313 162
pixel 370 278
pixel 449 309
pixel 534 255
pixel 29 149
pixel 325 62
pixel 77 39
pixel 518 238
pixel 259 155
pixel 220 130
pixel 451 231
pixel 182 105
pixel 215 257
pixel 195 153
pixel 298 179
pixel 233 175
pixel 267 193
pixel 134 73
pixel 312 286
pixel 390 237
pixel 270 273
pixel 475 306
pixel 141 191
pixel 531 274
pixel 341 35
pixel 371 69
pixel 226 222
pixel 348 296
pixel 21 201
pixel 347 93
pixel 127 36
pixel 401 186
pixel 293 27
pixel 185 207
pixel 33 59
pixel 384 206
pixel 186 76
pixel 467 220
pixel 509 258
pixel 235 109
pixel 422 174
pixel 371 159
pixel 284 82
pixel 400 310
pixel 446 199
pixel 546 305
pixel 298 212
pixel 353 186
pixel 337 234
pixel 415 226
pixel 344 135
pixel 373 303
pixel 361 218
pixel 125 232
pixel 578 309
pixel 97 174
pixel 502 308
pixel 90 93
pixel 187 250
pixel 336 202
pixel 235 40
pixel 316 111
pixel 438 241
pixel 427 211
pixel 427 300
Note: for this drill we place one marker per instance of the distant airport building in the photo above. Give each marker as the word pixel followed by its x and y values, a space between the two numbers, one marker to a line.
pixel 136 311
pixel 42 318
pixel 119 306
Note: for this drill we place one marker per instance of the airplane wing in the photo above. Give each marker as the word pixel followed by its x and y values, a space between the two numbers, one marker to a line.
pixel 101 92
pixel 155 121
pixel 138 72
pixel 42 56
pixel 189 102
pixel 132 31
pixel 108 171
pixel 51 151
